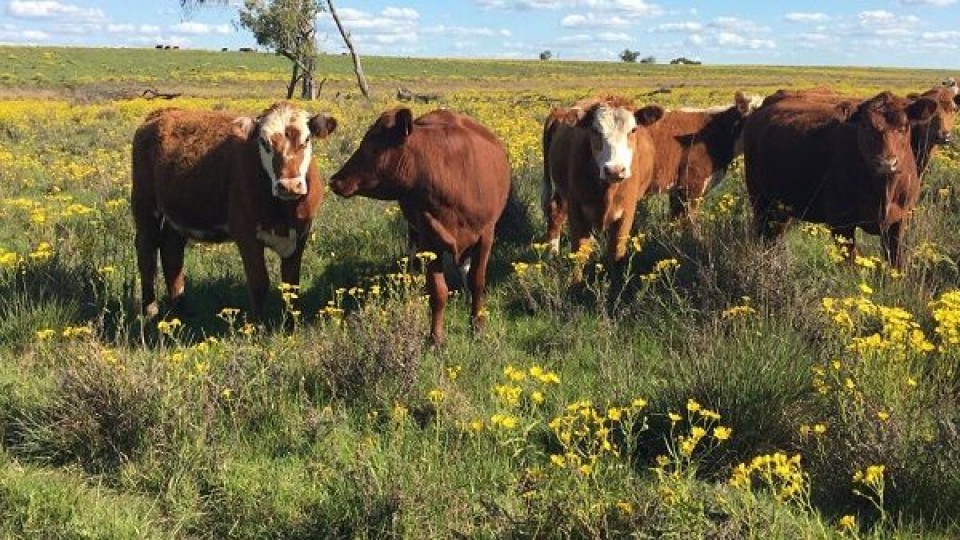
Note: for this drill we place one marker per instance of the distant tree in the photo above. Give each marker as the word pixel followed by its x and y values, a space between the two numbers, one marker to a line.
pixel 648 60
pixel 289 27
pixel 629 56
pixel 546 55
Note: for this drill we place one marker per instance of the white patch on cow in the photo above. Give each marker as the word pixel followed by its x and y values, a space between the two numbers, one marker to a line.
pixel 276 122
pixel 618 214
pixel 217 234
pixel 465 268
pixel 284 246
pixel 616 153
pixel 711 181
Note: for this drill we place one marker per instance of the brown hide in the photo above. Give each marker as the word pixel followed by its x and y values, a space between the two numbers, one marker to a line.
pixel 811 160
pixel 198 175
pixel 573 192
pixel 451 177
pixel 693 151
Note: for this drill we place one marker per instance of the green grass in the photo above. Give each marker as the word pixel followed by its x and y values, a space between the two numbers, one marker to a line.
pixel 356 428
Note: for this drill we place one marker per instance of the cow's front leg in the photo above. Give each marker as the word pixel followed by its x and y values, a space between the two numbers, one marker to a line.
pixel 290 275
pixel 255 270
pixel 580 244
pixel 555 212
pixel 617 240
pixel 892 247
pixel 437 291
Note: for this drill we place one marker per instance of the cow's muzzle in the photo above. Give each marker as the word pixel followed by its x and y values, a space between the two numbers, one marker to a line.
pixel 289 188
pixel 341 187
pixel 887 165
pixel 614 173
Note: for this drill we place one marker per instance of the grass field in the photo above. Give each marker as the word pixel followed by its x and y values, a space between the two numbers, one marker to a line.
pixel 737 391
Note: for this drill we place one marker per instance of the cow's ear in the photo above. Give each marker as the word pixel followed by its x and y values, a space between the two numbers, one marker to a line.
pixel 244 127
pixel 848 111
pixel 402 122
pixel 573 116
pixel 741 102
pixel 956 99
pixel 649 115
pixel 322 125
pixel 922 110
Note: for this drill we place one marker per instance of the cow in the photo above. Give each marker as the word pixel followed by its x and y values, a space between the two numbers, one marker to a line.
pixel 694 148
pixel 597 161
pixel 451 178
pixel 210 176
pixel 925 138
pixel 846 164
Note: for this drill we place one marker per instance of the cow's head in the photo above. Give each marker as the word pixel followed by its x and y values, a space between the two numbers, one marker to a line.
pixel 940 128
pixel 883 129
pixel 612 127
pixel 738 112
pixel 372 169
pixel 283 135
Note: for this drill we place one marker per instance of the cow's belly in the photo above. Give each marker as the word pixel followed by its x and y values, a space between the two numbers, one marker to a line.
pixel 199 232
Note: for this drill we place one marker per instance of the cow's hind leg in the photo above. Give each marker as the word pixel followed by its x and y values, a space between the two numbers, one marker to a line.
pixel 555 212
pixel 172 247
pixel 477 281
pixel 148 237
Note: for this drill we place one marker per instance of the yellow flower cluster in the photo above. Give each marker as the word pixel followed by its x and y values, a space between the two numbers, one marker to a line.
pixel 898 333
pixel 946 311
pixel 778 473
pixel 585 433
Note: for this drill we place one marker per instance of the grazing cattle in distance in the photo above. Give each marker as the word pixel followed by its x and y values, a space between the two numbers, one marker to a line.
pixel 597 161
pixel 451 177
pixel 210 176
pixel 694 147
pixel 845 164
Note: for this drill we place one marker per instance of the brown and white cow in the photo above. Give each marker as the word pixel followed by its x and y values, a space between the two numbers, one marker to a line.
pixel 597 161
pixel 451 178
pixel 845 164
pixel 210 176
pixel 694 148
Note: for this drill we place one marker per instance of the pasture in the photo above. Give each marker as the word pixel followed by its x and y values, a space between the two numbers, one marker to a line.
pixel 735 390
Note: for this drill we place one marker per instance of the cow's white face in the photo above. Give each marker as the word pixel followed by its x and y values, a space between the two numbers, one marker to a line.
pixel 285 150
pixel 611 139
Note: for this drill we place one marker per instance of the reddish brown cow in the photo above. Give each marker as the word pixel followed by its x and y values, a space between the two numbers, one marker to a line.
pixel 694 149
pixel 597 162
pixel 451 177
pixel 214 177
pixel 846 165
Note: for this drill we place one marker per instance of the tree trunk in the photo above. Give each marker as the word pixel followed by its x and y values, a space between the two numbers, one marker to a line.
pixel 294 77
pixel 309 89
pixel 357 68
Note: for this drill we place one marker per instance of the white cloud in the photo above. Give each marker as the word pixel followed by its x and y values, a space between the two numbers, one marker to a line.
pixel 49 10
pixel 465 31
pixel 630 8
pixel 736 41
pixel 198 29
pixel 408 14
pixel 688 26
pixel 807 17
pixel 593 20
pixel 885 18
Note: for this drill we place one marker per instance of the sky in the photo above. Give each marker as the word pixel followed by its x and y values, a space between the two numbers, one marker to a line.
pixel 895 33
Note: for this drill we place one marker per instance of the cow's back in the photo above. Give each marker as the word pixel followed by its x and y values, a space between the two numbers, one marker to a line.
pixel 463 165
pixel 795 152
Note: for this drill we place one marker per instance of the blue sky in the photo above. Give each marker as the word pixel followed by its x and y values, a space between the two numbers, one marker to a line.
pixel 909 33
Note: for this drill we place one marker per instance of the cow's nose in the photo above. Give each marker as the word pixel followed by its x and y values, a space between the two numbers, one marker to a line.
pixel 888 165
pixel 614 171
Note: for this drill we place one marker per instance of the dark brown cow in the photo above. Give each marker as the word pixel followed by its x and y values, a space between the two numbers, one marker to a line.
pixel 846 165
pixel 213 177
pixel 694 149
pixel 597 162
pixel 451 177
pixel 925 137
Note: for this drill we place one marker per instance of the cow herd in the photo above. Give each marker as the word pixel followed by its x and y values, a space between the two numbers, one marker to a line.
pixel 812 155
